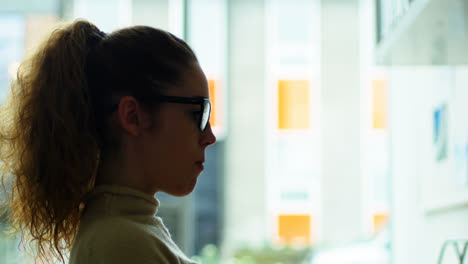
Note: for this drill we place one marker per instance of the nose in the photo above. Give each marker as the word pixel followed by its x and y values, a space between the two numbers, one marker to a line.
pixel 208 138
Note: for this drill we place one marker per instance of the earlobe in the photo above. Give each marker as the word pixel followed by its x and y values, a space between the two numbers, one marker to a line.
pixel 129 115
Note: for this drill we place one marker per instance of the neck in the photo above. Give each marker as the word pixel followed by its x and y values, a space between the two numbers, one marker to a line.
pixel 121 172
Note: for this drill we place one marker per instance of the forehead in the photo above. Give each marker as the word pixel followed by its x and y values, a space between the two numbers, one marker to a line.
pixel 194 83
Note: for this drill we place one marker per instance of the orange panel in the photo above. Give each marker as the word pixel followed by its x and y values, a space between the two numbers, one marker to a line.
pixel 212 90
pixel 379 104
pixel 293 229
pixel 380 221
pixel 293 104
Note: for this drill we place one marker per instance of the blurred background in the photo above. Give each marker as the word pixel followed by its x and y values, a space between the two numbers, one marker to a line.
pixel 342 125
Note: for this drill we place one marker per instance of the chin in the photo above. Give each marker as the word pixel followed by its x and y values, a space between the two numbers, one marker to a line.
pixel 186 190
pixel 180 193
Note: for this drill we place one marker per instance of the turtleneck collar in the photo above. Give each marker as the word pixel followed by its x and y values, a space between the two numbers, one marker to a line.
pixel 119 200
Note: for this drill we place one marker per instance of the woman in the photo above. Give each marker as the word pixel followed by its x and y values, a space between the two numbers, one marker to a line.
pixel 96 125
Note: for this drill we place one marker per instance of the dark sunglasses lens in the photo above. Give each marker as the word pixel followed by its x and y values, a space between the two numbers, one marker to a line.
pixel 206 115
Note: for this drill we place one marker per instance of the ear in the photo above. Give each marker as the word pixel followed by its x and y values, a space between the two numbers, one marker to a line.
pixel 130 115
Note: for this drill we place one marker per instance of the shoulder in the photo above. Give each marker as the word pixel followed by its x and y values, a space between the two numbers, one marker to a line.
pixel 121 232
pixel 118 227
pixel 119 240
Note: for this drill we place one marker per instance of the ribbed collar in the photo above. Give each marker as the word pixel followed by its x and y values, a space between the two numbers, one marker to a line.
pixel 119 200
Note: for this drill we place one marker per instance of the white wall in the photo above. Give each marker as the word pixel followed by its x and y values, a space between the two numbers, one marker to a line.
pixel 107 15
pixel 421 223
pixel 151 13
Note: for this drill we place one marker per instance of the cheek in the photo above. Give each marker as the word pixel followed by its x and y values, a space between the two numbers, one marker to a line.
pixel 177 139
pixel 184 133
pixel 178 144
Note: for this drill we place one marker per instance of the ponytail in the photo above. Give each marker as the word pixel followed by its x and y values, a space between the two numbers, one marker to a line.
pixel 48 141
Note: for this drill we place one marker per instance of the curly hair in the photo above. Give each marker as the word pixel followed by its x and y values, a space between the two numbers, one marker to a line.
pixel 53 129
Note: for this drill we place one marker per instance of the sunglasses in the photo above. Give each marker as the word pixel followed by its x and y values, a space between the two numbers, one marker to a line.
pixel 204 103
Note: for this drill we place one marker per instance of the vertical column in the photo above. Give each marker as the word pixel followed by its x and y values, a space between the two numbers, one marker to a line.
pixel 340 115
pixel 245 183
pixel 206 33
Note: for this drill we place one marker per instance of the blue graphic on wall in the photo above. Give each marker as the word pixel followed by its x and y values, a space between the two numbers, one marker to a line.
pixel 441 132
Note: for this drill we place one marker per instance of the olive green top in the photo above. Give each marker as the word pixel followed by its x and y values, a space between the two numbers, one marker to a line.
pixel 119 226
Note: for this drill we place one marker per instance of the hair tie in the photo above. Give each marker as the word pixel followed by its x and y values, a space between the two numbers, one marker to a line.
pixel 95 38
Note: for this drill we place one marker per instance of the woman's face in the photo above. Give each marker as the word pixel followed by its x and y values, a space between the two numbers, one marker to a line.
pixel 175 149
